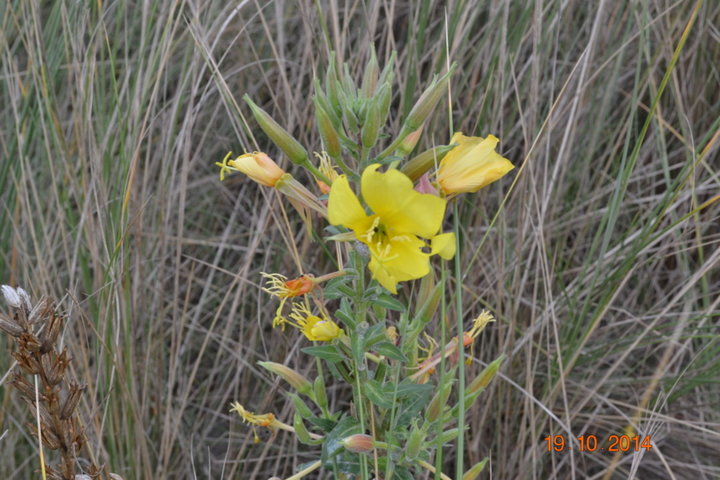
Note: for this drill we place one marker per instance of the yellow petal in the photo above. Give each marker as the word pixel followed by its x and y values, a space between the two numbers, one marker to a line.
pixel 444 245
pixel 259 167
pixel 398 260
pixel 344 207
pixel 325 330
pixel 391 195
pixel 471 165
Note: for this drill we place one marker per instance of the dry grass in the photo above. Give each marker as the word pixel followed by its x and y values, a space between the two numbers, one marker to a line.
pixel 601 264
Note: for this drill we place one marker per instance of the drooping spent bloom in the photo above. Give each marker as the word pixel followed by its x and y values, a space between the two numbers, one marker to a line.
pixel 451 348
pixel 471 165
pixel 257 165
pixel 279 286
pixel 266 420
pixel 314 327
pixel 326 169
pixel 401 218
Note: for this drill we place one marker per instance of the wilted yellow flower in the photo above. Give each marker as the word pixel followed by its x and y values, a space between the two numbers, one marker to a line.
pixel 257 165
pixel 471 165
pixel 326 169
pixel 478 326
pixel 266 420
pixel 315 328
pixel 279 286
pixel 392 232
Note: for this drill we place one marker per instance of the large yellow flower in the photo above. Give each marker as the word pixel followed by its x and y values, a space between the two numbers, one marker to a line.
pixel 393 232
pixel 471 165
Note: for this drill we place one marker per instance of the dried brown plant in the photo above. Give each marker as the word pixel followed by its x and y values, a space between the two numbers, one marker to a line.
pixel 45 383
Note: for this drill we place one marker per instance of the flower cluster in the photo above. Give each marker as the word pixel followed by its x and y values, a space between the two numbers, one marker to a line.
pixel 389 211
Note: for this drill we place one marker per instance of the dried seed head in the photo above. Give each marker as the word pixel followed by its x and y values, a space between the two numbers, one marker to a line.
pixel 11 328
pixel 27 362
pixel 41 310
pixel 51 333
pixel 15 298
pixel 49 438
pixel 55 366
pixel 29 342
pixel 71 401
pixel 115 476
pixel 22 385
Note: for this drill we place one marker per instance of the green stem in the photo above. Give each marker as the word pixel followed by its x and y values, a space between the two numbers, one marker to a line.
pixel 313 466
pixel 461 353
pixel 442 379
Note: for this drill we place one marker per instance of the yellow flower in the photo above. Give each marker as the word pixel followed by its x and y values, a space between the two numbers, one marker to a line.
pixel 400 216
pixel 471 165
pixel 315 328
pixel 257 165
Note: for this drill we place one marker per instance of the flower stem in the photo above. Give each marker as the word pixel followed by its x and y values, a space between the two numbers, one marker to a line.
pixel 461 360
pixel 432 469
pixel 314 466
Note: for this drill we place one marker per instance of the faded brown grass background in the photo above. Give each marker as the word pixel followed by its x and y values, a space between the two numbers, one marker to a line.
pixel 601 264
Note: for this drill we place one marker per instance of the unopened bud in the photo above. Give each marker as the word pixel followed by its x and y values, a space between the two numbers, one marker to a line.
pixel 297 381
pixel 428 101
pixel 488 373
pixel 418 165
pixel 301 430
pixel 473 473
pixel 279 136
pixel 300 406
pixel 327 130
pixel 320 393
pixel 409 143
pixel 437 404
pixel 372 73
pixel 358 443
pixel 448 435
pixel 371 125
pixel 414 443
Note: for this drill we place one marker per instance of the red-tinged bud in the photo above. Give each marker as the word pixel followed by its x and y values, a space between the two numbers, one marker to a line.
pixel 358 443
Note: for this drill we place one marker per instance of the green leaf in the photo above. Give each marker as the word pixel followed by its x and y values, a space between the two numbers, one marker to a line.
pixel 324 424
pixel 408 388
pixel 373 335
pixel 378 394
pixel 389 350
pixel 413 404
pixel 334 455
pixel 326 352
pixel 391 303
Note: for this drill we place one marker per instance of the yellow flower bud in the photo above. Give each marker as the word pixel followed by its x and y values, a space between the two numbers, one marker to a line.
pixel 471 165
pixel 257 165
pixel 409 142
